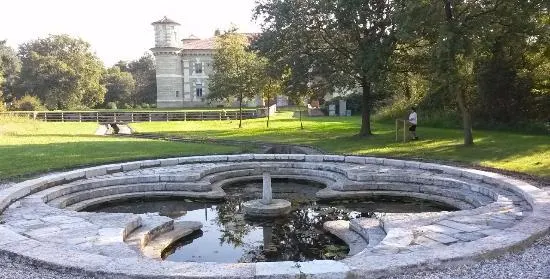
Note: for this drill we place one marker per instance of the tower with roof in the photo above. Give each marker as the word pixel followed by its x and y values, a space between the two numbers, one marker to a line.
pixel 183 67
pixel 168 63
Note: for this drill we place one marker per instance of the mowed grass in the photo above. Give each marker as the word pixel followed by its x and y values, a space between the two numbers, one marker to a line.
pixel 28 147
pixel 509 151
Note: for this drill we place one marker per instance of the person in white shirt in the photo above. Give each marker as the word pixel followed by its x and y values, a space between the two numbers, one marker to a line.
pixel 413 121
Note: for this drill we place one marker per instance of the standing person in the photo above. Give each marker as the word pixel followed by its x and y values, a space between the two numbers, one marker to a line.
pixel 413 121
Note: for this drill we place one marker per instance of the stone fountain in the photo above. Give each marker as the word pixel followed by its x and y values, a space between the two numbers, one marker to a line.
pixel 267 206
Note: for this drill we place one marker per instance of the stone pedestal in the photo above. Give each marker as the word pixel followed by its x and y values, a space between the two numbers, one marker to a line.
pixel 267 206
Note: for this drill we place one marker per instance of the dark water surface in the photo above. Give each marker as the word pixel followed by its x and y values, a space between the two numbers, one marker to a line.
pixel 227 236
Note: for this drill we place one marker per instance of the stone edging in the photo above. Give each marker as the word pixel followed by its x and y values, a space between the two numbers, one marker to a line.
pixel 361 265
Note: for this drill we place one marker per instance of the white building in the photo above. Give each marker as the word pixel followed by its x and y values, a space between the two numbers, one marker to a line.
pixel 182 66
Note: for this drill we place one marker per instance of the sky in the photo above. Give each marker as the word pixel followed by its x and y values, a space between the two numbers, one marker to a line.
pixel 119 29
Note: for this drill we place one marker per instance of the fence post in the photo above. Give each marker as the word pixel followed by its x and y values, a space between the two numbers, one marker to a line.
pixel 396 129
pixel 220 116
pixel 166 116
pixel 80 117
pixel 62 120
pixel 184 116
pixel 404 130
pixel 97 117
pixel 45 117
pixel 114 117
pixel 149 117
pixel 132 114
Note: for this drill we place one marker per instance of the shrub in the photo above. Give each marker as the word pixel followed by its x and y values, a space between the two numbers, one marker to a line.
pixel 27 103
pixel 145 105
pixel 111 105
pixel 126 106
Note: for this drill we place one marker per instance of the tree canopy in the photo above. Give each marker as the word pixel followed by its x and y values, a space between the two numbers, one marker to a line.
pixel 10 66
pixel 120 86
pixel 342 45
pixel 62 71
pixel 237 73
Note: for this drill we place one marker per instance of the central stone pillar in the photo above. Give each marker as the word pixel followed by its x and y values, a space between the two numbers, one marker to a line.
pixel 267 206
pixel 267 195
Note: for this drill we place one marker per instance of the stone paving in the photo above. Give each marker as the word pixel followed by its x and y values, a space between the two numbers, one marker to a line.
pixel 40 221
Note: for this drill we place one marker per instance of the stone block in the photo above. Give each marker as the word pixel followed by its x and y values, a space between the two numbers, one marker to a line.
pixel 149 164
pixel 296 157
pixel 324 269
pixel 374 161
pixel 441 238
pixel 439 229
pixel 355 160
pixel 75 175
pixel 169 162
pixel 240 158
pixel 9 236
pixel 130 166
pixel 398 237
pixel 412 164
pixel 314 158
pixel 333 158
pixel 114 168
pixel 190 160
pixel 394 163
pixel 277 270
pixel 264 157
pixel 459 226
pixel 97 171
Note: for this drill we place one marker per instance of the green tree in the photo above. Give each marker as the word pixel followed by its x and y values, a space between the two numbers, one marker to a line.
pixel 144 73
pixel 339 44
pixel 62 71
pixel 470 43
pixel 237 72
pixel 10 66
pixel 120 86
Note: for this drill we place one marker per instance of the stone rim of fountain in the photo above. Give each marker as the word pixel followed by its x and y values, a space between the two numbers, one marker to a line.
pixel 533 220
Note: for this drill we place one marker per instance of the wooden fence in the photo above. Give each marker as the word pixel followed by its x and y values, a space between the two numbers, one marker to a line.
pixel 129 117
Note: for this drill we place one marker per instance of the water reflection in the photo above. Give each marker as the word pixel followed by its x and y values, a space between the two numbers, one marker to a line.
pixel 227 236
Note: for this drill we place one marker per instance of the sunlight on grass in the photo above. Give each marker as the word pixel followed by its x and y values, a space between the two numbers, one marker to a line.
pixel 517 152
pixel 28 147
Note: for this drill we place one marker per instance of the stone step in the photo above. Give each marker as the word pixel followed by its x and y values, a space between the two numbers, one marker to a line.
pixel 151 225
pixel 76 197
pixel 370 229
pixel 216 195
pixel 156 246
pixel 341 229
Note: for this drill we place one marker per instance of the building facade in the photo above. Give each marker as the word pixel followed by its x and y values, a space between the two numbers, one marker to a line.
pixel 182 66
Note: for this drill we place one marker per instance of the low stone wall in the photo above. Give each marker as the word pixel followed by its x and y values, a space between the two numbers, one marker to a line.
pixel 499 213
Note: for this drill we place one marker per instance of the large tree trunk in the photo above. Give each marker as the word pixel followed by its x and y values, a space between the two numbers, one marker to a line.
pixel 466 118
pixel 453 75
pixel 365 105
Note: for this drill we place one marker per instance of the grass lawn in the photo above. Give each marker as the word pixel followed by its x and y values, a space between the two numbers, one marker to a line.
pixel 28 147
pixel 509 151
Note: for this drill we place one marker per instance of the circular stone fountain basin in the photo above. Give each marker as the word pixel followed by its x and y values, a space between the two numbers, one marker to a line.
pixel 229 236
pixel 41 222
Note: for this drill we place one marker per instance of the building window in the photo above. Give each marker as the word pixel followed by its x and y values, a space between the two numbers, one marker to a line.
pixel 177 93
pixel 198 90
pixel 198 68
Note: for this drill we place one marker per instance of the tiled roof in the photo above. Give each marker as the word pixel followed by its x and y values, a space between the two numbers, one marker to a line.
pixel 209 43
pixel 192 42
pixel 165 20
